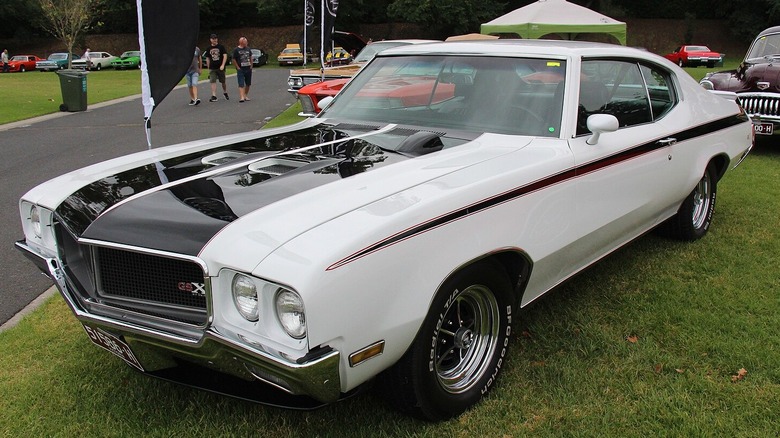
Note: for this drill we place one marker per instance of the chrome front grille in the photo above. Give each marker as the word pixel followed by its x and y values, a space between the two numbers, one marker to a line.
pixel 149 278
pixel 765 105
pixel 158 286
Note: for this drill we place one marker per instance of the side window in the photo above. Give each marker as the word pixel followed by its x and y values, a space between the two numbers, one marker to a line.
pixel 660 90
pixel 616 88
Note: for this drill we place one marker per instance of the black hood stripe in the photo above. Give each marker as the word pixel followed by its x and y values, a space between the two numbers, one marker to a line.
pixel 85 205
pixel 521 191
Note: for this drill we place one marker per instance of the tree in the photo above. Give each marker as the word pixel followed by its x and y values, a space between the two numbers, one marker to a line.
pixel 17 22
pixel 446 17
pixel 67 19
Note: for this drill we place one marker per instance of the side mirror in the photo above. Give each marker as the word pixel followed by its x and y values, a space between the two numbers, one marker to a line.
pixel 324 102
pixel 599 124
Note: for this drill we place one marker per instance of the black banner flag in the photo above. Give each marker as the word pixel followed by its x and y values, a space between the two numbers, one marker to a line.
pixel 167 35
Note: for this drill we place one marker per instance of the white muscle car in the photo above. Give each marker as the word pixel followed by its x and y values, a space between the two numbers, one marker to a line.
pixel 97 61
pixel 393 237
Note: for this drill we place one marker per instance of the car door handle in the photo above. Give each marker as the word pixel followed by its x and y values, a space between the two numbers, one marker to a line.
pixel 667 141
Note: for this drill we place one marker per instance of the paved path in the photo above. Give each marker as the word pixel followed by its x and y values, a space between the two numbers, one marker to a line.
pixel 39 149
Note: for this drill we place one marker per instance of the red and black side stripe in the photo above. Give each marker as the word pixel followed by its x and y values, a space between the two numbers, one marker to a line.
pixel 521 191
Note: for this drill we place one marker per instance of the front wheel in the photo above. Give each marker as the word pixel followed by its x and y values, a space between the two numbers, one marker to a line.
pixel 694 217
pixel 22 69
pixel 681 63
pixel 460 348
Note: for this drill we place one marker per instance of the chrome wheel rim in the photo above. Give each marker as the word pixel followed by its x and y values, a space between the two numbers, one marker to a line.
pixel 466 339
pixel 701 201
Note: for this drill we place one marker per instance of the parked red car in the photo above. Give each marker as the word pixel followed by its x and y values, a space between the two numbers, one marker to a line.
pixel 23 62
pixel 694 56
pixel 311 95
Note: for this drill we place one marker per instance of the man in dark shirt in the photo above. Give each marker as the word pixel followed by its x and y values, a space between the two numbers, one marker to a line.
pixel 216 61
pixel 242 60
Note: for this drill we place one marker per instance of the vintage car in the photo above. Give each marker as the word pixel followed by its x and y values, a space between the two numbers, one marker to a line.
pixel 98 61
pixel 311 95
pixel 337 56
pixel 694 56
pixel 259 57
pixel 127 60
pixel 55 61
pixel 291 55
pixel 301 77
pixel 22 63
pixel 394 237
pixel 756 82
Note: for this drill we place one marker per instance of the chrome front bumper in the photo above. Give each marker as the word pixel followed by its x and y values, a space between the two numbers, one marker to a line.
pixel 315 375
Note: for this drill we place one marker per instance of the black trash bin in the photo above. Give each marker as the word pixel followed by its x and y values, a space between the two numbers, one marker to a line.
pixel 74 90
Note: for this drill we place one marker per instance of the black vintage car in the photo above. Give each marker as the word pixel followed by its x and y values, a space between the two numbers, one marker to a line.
pixel 756 82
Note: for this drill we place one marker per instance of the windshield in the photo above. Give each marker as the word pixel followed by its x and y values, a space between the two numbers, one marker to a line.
pixel 55 56
pixel 472 93
pixel 19 58
pixel 130 54
pixel 767 45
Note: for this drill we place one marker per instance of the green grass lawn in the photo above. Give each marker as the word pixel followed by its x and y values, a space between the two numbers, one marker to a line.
pixel 36 93
pixel 663 338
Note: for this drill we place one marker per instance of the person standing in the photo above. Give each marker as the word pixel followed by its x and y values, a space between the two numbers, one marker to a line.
pixel 87 60
pixel 242 60
pixel 6 67
pixel 216 60
pixel 193 74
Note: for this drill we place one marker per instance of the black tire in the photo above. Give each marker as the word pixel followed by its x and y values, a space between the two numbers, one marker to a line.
pixel 63 107
pixel 22 69
pixel 681 63
pixel 98 67
pixel 460 348
pixel 694 217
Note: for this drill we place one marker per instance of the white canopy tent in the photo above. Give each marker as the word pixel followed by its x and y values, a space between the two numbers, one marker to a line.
pixel 559 17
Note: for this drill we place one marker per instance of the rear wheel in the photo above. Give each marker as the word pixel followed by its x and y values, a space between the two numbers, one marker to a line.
pixel 460 348
pixel 98 67
pixel 694 217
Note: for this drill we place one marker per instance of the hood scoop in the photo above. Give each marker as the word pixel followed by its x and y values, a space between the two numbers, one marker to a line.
pixel 221 158
pixel 275 166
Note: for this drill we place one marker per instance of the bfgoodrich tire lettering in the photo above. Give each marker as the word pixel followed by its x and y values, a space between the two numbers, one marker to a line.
pixel 460 349
pixel 694 217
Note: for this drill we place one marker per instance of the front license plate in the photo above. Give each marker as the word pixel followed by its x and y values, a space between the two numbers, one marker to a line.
pixel 113 344
pixel 763 128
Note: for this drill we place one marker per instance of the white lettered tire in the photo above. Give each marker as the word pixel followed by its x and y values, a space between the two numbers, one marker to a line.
pixel 694 217
pixel 460 349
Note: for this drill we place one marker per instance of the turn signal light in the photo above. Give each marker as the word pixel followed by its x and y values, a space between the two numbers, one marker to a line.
pixel 367 353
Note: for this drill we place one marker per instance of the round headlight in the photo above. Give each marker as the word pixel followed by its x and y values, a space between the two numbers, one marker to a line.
pixel 289 310
pixel 35 221
pixel 245 297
